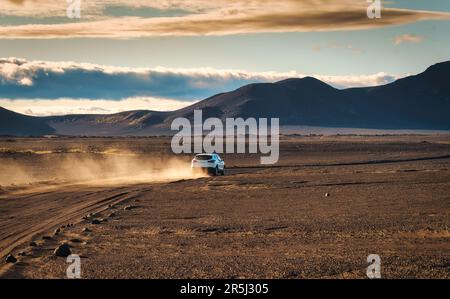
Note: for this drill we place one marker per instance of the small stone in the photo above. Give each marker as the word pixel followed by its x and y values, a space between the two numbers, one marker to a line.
pixel 75 240
pixel 23 253
pixel 63 250
pixel 95 221
pixel 57 231
pixel 86 230
pixel 33 244
pixel 327 194
pixel 11 259
pixel 127 208
pixel 46 238
pixel 112 215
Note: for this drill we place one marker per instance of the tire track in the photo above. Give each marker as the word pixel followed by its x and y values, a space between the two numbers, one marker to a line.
pixel 25 230
pixel 367 162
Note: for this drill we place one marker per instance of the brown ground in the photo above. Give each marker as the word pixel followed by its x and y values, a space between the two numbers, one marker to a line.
pixel 389 195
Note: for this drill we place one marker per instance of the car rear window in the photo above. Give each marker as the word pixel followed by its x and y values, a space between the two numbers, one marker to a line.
pixel 203 157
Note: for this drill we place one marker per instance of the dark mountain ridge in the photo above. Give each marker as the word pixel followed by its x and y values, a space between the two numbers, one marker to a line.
pixel 16 124
pixel 415 102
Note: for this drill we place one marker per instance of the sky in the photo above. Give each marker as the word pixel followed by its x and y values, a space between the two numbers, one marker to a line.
pixel 166 54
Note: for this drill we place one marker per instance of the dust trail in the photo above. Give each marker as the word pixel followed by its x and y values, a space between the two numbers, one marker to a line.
pixel 96 169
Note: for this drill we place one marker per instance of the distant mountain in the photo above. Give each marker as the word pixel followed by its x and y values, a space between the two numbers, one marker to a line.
pixel 139 122
pixel 12 123
pixel 294 101
pixel 416 102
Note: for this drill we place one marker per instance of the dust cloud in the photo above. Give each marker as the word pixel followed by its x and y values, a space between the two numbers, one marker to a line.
pixel 93 169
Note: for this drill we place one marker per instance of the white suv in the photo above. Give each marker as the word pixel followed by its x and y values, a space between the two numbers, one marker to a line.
pixel 212 163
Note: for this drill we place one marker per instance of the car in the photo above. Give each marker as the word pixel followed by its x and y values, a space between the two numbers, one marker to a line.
pixel 210 163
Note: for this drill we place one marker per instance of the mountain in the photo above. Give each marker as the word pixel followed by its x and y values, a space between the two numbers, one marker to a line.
pixel 294 101
pixel 416 102
pixel 12 123
pixel 139 122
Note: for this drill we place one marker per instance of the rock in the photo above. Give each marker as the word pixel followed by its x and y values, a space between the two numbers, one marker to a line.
pixel 112 215
pixel 75 240
pixel 86 230
pixel 95 221
pixel 46 238
pixel 22 253
pixel 127 208
pixel 327 194
pixel 103 220
pixel 63 250
pixel 11 259
pixel 33 244
pixel 57 231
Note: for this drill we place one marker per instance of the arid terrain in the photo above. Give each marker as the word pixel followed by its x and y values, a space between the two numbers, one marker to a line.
pixel 131 209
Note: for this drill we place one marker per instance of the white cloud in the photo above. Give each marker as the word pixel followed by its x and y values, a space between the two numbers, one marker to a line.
pixel 408 38
pixel 20 78
pixel 47 88
pixel 358 80
pixel 45 107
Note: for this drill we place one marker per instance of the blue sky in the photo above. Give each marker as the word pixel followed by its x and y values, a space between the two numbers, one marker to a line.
pixel 406 40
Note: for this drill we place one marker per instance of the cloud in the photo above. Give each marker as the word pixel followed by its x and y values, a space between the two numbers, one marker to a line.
pixel 208 18
pixel 22 79
pixel 408 38
pixel 55 88
pixel 18 2
pixel 46 107
pixel 358 80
